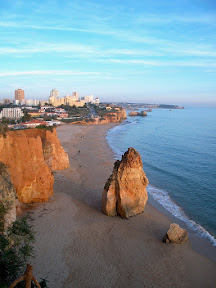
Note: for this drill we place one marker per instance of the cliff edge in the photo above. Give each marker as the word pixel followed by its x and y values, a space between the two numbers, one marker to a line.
pixel 31 155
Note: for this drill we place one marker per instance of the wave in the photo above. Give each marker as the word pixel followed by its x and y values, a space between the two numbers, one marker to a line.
pixel 111 137
pixel 164 199
pixel 159 195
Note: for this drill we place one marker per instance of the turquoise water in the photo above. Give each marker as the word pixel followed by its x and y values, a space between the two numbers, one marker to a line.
pixel 178 150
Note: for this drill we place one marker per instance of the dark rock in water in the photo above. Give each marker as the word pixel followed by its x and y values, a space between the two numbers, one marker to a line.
pixel 175 235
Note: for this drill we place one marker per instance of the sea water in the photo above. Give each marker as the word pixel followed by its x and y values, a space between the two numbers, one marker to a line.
pixel 178 150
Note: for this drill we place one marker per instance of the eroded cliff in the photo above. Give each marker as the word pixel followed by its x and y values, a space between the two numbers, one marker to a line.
pixel 110 117
pixel 31 155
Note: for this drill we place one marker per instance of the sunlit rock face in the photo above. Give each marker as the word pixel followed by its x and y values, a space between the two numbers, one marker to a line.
pixel 125 191
pixel 31 155
pixel 175 235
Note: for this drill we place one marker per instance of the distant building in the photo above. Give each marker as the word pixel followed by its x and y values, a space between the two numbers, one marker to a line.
pixel 96 101
pixel 54 93
pixel 19 95
pixel 42 102
pixel 67 100
pixel 12 113
pixel 75 95
pixel 34 123
pixel 6 101
pixel 89 99
pixel 16 102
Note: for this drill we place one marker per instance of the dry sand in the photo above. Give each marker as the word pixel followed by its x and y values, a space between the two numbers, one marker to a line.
pixel 78 246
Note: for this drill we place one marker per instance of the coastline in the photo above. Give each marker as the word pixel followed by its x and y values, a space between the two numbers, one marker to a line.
pixel 78 246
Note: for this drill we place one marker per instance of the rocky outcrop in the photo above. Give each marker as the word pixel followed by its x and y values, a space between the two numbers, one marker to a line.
pixel 125 191
pixel 31 155
pixel 112 117
pixel 54 154
pixel 134 113
pixel 175 235
pixel 7 196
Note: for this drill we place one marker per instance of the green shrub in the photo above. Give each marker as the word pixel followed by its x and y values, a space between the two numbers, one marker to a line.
pixel 3 129
pixel 16 245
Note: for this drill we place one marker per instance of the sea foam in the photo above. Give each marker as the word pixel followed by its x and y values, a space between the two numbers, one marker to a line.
pixel 161 196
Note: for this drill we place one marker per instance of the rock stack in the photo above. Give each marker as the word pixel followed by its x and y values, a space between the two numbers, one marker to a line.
pixel 125 191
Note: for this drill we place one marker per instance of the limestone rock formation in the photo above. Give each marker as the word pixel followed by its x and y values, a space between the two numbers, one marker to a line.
pixel 111 117
pixel 175 235
pixel 31 155
pixel 125 191
pixel 7 196
pixel 54 154
pixel 141 113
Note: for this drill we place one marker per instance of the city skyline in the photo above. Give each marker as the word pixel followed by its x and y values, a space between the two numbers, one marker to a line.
pixel 117 50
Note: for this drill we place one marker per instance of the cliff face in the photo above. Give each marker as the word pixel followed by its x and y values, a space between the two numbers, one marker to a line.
pixel 125 190
pixel 114 117
pixel 31 155
pixel 111 117
pixel 54 154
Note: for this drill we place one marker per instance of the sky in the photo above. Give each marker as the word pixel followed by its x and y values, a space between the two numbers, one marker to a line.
pixel 118 50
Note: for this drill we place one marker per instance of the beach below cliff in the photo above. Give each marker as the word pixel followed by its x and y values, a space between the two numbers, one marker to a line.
pixel 78 246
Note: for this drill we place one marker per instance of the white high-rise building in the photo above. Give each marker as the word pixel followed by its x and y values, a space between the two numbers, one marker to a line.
pixel 54 93
pixel 89 99
pixel 13 113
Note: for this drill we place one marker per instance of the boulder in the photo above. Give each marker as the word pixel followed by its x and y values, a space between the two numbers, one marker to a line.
pixel 175 235
pixel 134 113
pixel 143 113
pixel 125 191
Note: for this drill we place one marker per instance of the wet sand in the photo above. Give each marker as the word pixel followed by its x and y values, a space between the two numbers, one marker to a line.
pixel 78 246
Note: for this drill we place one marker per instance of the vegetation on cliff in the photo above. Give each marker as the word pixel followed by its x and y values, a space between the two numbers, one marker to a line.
pixel 75 111
pixel 15 246
pixel 3 129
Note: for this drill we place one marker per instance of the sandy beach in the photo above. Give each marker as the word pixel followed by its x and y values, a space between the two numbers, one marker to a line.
pixel 78 246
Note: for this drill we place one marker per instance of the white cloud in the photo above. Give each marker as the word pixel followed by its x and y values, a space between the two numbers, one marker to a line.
pixel 160 63
pixel 173 18
pixel 49 47
pixel 49 72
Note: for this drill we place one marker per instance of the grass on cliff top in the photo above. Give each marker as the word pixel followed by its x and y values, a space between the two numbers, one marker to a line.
pixel 48 128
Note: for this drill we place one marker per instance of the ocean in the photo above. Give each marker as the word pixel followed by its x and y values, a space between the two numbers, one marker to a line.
pixel 178 150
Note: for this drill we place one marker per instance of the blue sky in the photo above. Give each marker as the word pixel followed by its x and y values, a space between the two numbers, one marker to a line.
pixel 138 51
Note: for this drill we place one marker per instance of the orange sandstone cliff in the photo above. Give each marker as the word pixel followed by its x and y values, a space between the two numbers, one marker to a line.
pixel 125 191
pixel 31 155
pixel 112 117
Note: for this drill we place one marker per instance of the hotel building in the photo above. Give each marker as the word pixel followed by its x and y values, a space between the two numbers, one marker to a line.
pixel 19 95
